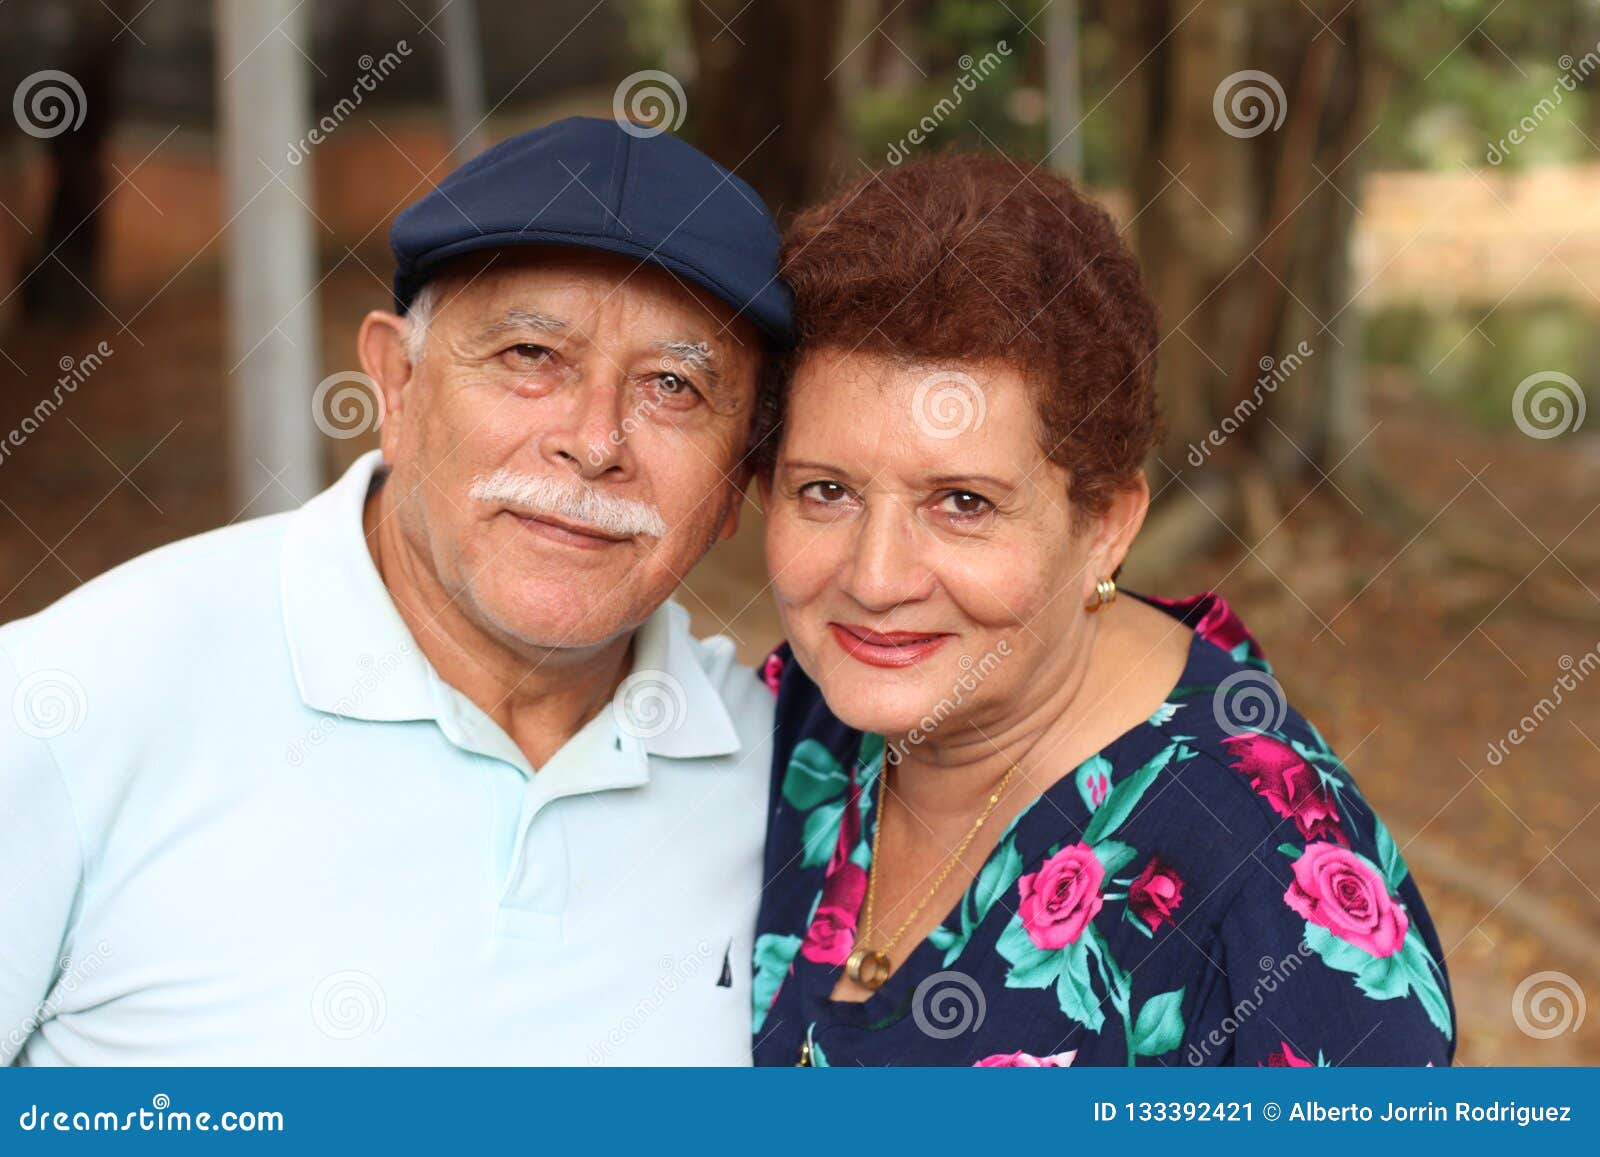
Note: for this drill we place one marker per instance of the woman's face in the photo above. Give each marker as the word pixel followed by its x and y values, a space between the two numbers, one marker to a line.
pixel 920 543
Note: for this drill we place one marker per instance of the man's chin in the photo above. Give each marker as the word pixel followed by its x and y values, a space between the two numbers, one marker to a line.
pixel 545 615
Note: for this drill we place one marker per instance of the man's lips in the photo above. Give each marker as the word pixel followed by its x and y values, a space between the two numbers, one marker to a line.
pixel 887 648
pixel 569 533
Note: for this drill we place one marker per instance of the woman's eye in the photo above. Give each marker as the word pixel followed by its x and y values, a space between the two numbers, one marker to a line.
pixel 965 504
pixel 826 493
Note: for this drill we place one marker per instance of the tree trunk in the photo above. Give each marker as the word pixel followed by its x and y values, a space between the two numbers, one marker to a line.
pixel 766 99
pixel 1243 189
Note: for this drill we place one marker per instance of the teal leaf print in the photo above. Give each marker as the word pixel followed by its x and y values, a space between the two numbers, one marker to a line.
pixel 1159 1028
pixel 1389 861
pixel 1113 855
pixel 1419 965
pixel 773 956
pixel 1093 780
pixel 1031 966
pixel 813 776
pixel 1387 977
pixel 820 833
pixel 1125 796
pixel 999 874
pixel 1074 990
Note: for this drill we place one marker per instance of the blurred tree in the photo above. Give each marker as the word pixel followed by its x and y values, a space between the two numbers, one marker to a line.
pixel 1244 131
pixel 63 272
pixel 766 100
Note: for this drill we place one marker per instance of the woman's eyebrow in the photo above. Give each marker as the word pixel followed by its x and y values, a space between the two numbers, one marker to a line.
pixel 984 480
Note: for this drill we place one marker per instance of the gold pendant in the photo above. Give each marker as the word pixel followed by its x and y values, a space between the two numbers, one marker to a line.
pixel 868 967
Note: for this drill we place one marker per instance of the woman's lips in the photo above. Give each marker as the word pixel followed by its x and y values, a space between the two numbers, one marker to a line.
pixel 886 648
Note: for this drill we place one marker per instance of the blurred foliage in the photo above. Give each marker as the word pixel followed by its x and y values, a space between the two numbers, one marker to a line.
pixel 1473 358
pixel 1464 74
pixel 1467 71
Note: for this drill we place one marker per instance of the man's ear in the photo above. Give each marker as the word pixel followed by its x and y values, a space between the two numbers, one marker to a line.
pixel 740 483
pixel 1115 531
pixel 381 346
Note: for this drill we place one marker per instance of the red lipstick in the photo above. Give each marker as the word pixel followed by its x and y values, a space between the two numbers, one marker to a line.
pixel 886 648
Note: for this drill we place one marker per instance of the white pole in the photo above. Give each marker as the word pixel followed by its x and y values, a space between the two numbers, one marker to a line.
pixel 1064 87
pixel 273 363
pixel 463 79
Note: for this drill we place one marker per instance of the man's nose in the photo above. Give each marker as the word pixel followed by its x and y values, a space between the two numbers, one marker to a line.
pixel 586 433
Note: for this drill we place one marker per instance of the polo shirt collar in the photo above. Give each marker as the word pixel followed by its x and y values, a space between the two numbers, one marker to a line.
pixel 353 655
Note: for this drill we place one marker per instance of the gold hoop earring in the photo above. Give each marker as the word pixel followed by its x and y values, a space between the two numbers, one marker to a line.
pixel 1105 593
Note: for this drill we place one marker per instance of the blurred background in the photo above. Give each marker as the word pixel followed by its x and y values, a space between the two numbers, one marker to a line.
pixel 1373 230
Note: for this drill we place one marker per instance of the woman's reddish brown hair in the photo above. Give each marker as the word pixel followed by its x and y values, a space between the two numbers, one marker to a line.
pixel 970 258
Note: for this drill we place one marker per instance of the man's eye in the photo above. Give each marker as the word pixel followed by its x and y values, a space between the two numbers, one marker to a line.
pixel 675 385
pixel 528 354
pixel 965 504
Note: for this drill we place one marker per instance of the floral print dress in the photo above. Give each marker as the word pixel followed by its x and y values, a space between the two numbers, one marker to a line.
pixel 1199 892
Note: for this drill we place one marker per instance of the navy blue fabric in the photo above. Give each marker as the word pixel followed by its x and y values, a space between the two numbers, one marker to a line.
pixel 589 183
pixel 1250 990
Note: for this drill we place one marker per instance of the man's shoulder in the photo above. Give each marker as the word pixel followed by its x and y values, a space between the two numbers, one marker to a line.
pixel 165 604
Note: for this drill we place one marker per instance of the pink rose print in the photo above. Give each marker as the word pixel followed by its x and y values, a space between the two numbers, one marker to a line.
pixel 1284 1058
pixel 1288 784
pixel 1060 899
pixel 1218 625
pixel 1156 894
pixel 1339 890
pixel 832 935
pixel 771 672
pixel 1026 1061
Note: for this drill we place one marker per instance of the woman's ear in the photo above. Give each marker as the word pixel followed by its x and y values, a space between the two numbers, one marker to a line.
pixel 1115 530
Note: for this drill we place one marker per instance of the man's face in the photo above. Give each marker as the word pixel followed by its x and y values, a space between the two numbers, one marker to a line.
pixel 571 441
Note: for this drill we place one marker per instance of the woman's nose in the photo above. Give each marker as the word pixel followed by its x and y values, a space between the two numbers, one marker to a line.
pixel 888 566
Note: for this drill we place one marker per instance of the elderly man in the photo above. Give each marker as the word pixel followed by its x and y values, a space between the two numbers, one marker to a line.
pixel 430 770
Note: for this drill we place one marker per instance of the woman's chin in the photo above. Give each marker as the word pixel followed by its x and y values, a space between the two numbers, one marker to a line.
pixel 888 711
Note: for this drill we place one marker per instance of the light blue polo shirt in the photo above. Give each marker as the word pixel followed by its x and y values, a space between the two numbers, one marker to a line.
pixel 242 821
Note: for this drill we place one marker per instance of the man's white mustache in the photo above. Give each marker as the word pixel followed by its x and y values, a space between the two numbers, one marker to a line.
pixel 572 500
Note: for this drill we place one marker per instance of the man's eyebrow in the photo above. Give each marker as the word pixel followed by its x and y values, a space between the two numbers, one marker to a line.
pixel 696 356
pixel 523 319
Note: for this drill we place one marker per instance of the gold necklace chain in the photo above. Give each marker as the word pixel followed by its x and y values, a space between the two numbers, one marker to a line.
pixel 870 966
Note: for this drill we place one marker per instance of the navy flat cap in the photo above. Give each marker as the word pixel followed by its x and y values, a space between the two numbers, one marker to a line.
pixel 591 183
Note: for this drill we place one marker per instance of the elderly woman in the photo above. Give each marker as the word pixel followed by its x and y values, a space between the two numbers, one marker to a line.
pixel 1020 817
